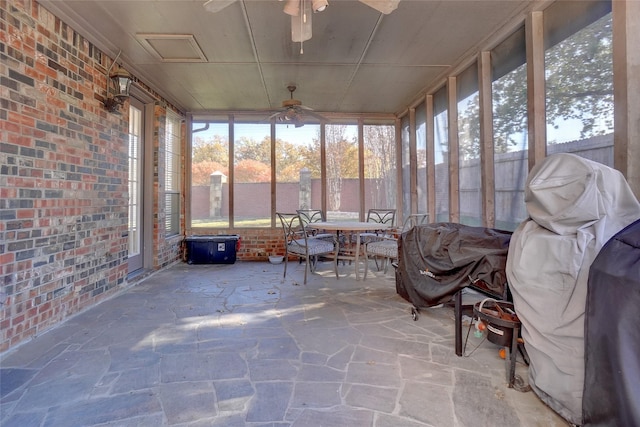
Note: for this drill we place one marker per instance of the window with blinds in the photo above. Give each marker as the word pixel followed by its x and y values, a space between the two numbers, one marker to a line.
pixel 172 174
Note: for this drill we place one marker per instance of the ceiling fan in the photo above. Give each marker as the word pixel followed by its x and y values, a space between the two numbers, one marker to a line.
pixel 382 6
pixel 293 112
pixel 301 13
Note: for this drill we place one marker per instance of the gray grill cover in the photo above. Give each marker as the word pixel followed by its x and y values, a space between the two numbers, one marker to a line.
pixel 575 206
pixel 436 260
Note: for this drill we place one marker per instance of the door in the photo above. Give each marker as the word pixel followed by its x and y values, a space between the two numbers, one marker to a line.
pixel 136 185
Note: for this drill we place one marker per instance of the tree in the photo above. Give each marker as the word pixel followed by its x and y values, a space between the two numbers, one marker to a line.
pixel 251 156
pixel 214 150
pixel 380 161
pixel 579 85
pixel 469 128
pixel 249 149
pixel 342 161
pixel 201 172
pixel 249 170
pixel 290 159
pixel 509 109
pixel 580 79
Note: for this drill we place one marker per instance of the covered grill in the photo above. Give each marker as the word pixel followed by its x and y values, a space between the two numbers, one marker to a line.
pixel 575 206
pixel 437 260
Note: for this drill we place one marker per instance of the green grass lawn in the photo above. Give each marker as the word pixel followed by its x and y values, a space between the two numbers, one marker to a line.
pixel 238 223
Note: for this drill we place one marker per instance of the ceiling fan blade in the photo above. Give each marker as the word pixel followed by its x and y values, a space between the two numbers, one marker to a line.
pixel 382 6
pixel 214 6
pixel 293 112
pixel 310 113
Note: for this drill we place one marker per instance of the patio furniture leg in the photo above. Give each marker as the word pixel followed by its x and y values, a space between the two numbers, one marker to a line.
pixel 335 260
pixel 366 263
pixel 356 258
pixel 285 265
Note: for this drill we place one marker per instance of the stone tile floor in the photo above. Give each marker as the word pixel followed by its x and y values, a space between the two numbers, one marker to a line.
pixel 236 345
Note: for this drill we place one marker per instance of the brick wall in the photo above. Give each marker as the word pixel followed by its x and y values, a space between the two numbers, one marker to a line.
pixel 63 176
pixel 256 244
pixel 254 199
pixel 165 249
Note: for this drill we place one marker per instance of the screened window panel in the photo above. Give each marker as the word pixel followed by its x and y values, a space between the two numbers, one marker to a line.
pixel 297 165
pixel 343 188
pixel 379 167
pixel 441 153
pixel 469 172
pixel 563 19
pixel 252 174
pixel 294 158
pixel 406 167
pixel 579 80
pixel 421 156
pixel 510 135
pixel 209 174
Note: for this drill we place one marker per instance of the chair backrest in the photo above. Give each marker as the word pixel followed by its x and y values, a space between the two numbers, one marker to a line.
pixel 291 227
pixel 413 220
pixel 382 216
pixel 308 216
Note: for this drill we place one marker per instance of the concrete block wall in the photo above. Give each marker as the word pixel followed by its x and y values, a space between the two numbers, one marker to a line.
pixel 63 176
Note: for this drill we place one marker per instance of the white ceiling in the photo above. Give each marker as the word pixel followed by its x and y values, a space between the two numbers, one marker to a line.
pixel 358 60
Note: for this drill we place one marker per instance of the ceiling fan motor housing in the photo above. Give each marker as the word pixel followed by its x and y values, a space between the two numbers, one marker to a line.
pixel 293 111
pixel 291 103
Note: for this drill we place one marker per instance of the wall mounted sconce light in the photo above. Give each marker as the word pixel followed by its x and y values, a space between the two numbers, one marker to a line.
pixel 121 80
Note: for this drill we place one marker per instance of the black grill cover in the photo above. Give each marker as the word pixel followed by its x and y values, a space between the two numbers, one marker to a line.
pixel 436 260
pixel 612 337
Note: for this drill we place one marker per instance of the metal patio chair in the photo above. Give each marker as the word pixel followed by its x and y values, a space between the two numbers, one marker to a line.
pixel 308 216
pixel 386 246
pixel 299 242
pixel 386 217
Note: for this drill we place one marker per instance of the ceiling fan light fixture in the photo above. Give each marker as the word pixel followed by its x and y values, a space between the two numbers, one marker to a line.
pixel 319 5
pixel 301 28
pixel 293 112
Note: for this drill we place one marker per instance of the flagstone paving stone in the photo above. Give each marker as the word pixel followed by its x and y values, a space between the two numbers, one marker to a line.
pixel 238 345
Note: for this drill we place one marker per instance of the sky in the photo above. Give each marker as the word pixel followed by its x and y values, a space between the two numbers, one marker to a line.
pixel 303 135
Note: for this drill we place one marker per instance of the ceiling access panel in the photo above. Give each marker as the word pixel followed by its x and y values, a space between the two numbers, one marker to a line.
pixel 217 32
pixel 213 33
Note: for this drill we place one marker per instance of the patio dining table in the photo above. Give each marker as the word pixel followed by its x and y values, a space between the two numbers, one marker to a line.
pixel 349 228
